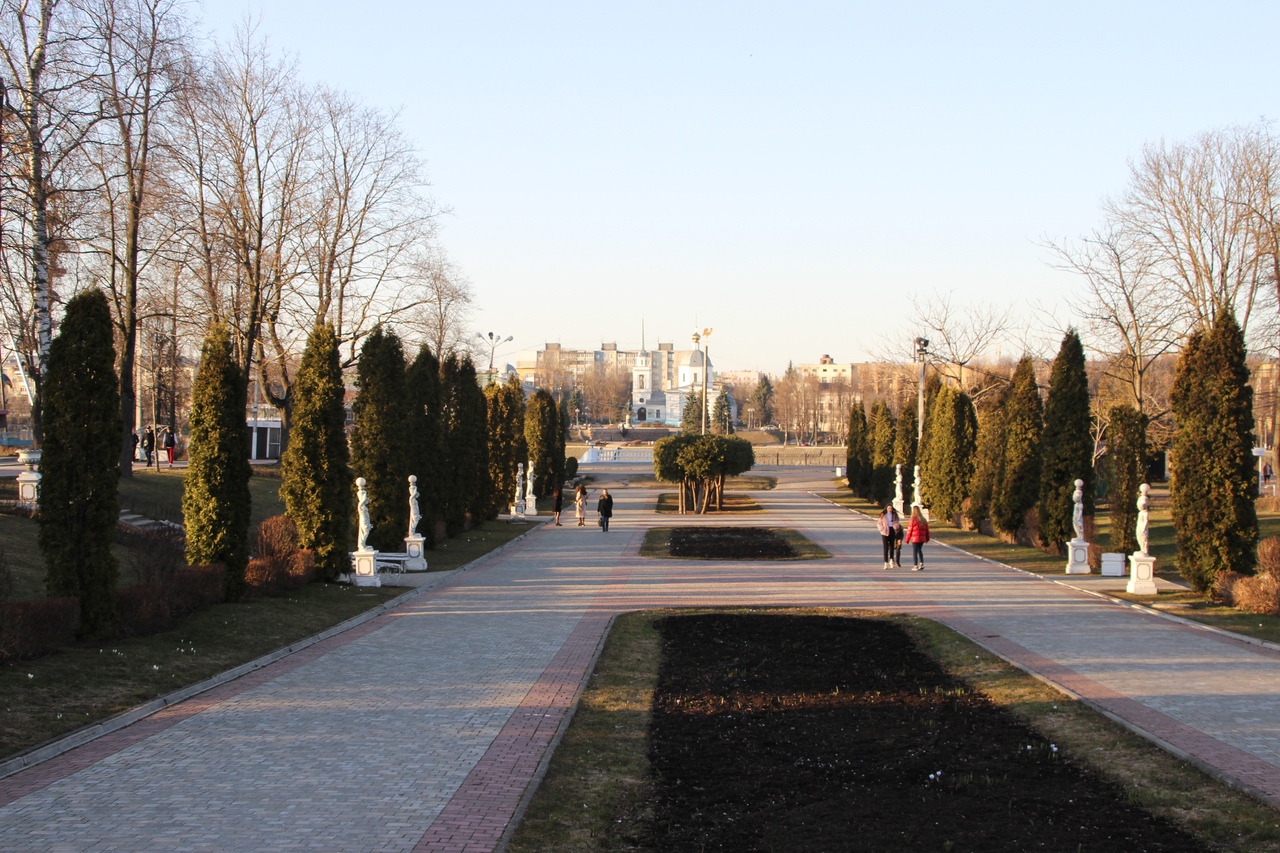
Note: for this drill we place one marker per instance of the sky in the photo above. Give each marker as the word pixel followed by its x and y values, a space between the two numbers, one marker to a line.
pixel 794 176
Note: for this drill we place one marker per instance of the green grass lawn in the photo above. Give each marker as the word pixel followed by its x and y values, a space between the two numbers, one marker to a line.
pixel 152 494
pixel 158 495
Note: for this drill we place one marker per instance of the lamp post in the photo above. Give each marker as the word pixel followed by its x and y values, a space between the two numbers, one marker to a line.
pixel 706 369
pixel 922 351
pixel 494 342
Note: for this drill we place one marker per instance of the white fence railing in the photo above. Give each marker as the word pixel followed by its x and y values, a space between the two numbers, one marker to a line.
pixel 595 455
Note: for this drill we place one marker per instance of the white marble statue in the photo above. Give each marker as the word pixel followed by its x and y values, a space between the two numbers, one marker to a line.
pixel 897 487
pixel 1077 514
pixel 365 525
pixel 519 500
pixel 528 488
pixel 915 489
pixel 1143 519
pixel 415 514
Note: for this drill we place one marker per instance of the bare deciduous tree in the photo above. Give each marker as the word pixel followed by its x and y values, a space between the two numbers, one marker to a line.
pixel 144 43
pixel 1191 207
pixel 443 317
pixel 1128 315
pixel 50 107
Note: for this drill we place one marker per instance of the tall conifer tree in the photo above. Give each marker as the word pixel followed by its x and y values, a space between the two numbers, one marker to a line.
pixel 904 448
pixel 691 417
pixel 316 484
pixel 988 467
pixel 880 438
pixel 721 422
pixel 1019 487
pixel 543 436
pixel 1067 442
pixel 481 504
pixel 1126 464
pixel 952 443
pixel 379 445
pixel 858 451
pixel 425 437
pixel 507 445
pixel 215 492
pixel 1213 481
pixel 78 503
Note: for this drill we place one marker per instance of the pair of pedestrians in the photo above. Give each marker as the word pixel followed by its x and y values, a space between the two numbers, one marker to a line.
pixel 892 536
pixel 604 507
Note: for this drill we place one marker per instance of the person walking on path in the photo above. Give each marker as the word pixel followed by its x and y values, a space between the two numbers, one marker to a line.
pixel 170 444
pixel 889 527
pixel 605 508
pixel 135 446
pixel 917 535
pixel 558 506
pixel 580 504
pixel 149 445
pixel 898 533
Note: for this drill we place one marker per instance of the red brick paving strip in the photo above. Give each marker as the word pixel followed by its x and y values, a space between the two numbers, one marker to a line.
pixel 479 812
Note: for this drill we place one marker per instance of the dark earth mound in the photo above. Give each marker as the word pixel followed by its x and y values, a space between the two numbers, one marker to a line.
pixel 810 733
pixel 729 543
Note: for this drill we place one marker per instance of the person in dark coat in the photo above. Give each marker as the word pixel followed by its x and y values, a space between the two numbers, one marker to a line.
pixel 605 508
pixel 149 445
pixel 558 505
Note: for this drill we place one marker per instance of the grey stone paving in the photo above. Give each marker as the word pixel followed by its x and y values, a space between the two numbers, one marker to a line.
pixel 363 747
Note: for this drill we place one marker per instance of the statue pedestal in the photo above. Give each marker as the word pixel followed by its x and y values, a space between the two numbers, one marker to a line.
pixel 1078 557
pixel 413 547
pixel 1142 571
pixel 364 567
pixel 29 488
pixel 530 506
pixel 517 509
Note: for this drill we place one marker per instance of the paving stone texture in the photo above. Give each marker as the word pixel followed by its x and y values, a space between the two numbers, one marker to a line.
pixel 424 728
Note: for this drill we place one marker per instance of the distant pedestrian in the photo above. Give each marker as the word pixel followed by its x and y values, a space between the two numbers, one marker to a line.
pixel 580 504
pixel 136 440
pixel 898 533
pixel 605 508
pixel 558 505
pixel 149 444
pixel 1266 473
pixel 917 535
pixel 170 444
pixel 888 527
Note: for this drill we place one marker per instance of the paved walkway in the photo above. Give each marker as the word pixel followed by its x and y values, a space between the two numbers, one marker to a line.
pixel 423 728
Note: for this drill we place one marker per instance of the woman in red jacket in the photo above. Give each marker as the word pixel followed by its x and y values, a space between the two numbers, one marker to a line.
pixel 917 535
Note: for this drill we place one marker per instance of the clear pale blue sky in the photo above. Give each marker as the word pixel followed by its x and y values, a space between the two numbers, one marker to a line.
pixel 789 174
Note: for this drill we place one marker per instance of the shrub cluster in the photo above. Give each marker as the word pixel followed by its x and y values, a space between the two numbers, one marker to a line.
pixel 159 604
pixel 1259 593
pixel 37 626
pixel 280 566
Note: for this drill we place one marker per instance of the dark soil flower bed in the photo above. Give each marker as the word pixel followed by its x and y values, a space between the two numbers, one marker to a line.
pixel 729 543
pixel 811 733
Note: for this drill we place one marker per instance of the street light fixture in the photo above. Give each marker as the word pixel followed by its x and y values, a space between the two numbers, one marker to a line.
pixel 922 353
pixel 494 342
